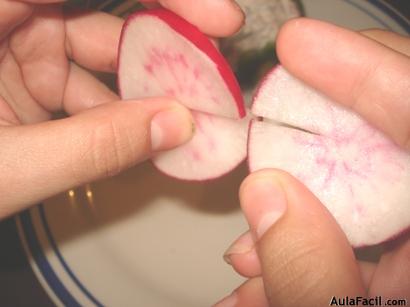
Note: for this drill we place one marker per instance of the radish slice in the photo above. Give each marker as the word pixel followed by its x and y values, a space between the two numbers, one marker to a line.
pixel 218 146
pixel 163 55
pixel 357 172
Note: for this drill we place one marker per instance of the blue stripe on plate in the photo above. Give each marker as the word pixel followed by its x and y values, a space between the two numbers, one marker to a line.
pixel 41 261
pixel 35 248
pixel 362 9
pixel 386 8
pixel 62 260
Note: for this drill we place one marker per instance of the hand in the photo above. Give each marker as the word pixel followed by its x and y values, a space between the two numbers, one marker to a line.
pixel 44 56
pixel 295 253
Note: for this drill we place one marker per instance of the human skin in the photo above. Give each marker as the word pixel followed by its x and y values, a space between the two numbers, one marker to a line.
pixel 45 58
pixel 301 257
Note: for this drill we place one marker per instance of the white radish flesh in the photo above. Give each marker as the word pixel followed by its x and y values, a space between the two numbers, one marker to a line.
pixel 358 173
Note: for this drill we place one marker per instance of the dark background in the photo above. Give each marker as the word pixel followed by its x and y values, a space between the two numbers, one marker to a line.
pixel 402 5
pixel 18 285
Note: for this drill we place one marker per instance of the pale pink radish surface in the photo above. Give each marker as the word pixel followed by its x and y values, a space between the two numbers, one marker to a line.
pixel 361 176
pixel 283 98
pixel 161 54
pixel 219 143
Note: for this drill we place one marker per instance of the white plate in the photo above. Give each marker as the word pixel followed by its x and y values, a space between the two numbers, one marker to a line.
pixel 142 239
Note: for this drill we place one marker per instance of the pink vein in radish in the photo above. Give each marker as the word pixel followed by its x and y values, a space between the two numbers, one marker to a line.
pixel 163 55
pixel 356 171
pixel 163 65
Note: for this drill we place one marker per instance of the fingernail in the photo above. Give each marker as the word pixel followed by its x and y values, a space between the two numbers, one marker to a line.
pixel 263 202
pixel 229 301
pixel 170 128
pixel 244 244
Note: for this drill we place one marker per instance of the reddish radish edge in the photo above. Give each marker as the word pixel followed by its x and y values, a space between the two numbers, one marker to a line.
pixel 398 235
pixel 261 85
pixel 251 122
pixel 253 103
pixel 197 38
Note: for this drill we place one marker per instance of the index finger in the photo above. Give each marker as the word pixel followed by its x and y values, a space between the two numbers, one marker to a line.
pixel 216 18
pixel 93 37
pixel 392 40
pixel 355 71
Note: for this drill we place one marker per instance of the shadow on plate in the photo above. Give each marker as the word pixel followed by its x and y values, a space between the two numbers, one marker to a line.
pixel 111 201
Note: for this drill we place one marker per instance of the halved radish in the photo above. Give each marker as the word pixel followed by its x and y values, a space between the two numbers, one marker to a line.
pixel 361 176
pixel 161 54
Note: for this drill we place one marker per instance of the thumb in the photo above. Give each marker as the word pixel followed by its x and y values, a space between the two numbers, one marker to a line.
pixel 306 259
pixel 41 160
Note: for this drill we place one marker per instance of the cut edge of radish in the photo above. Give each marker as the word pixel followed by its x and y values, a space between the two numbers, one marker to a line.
pixel 198 39
pixel 248 145
pixel 198 181
pixel 395 236
pixel 261 84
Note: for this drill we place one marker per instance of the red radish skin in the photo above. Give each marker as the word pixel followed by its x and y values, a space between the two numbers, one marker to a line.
pixel 356 171
pixel 156 54
pixel 401 234
pixel 161 54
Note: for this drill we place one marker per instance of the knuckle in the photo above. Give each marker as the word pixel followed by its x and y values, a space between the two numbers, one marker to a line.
pixel 296 267
pixel 299 257
pixel 12 14
pixel 106 150
pixel 362 84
